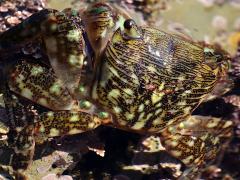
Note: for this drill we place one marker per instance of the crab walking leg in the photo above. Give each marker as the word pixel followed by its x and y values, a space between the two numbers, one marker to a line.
pixel 3 128
pixel 50 124
pixel 3 132
pixel 21 138
pixel 24 149
pixel 13 173
pixel 197 139
pixel 58 123
pixel 23 154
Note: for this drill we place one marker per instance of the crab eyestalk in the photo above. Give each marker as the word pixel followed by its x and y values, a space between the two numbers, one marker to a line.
pixel 131 30
pixel 217 59
pixel 100 21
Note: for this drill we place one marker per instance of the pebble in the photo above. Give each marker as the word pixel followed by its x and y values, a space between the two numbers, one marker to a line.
pixel 55 177
pixel 13 21
pixel 43 169
pixel 219 23
pixel 207 3
pixel 237 24
pixel 3 9
pixel 235 3
pixel 11 12
pixel 180 29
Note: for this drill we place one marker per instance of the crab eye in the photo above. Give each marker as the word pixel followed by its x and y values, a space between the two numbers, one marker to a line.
pixel 208 51
pixel 131 30
pixel 218 56
pixel 128 24
pixel 214 54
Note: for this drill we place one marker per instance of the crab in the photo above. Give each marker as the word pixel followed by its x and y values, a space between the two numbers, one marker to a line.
pixel 98 67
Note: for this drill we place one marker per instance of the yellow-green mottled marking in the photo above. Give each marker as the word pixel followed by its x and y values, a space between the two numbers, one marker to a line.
pixel 141 108
pixel 36 70
pixel 103 115
pixel 50 114
pixel 188 159
pixel 74 35
pixel 117 109
pixel 54 132
pixel 156 97
pixel 74 118
pixel 74 131
pixel 55 88
pixel 176 153
pixel 85 104
pixel 228 124
pixel 129 115
pixel 3 128
pixel 115 93
pixel 42 129
pixel 128 91
pixel 81 88
pixel 138 126
pixel 75 60
pixel 43 101
pixel 27 93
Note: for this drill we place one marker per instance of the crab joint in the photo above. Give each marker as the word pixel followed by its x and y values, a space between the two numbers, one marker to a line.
pixel 85 104
pixel 81 89
pixel 3 129
pixel 103 115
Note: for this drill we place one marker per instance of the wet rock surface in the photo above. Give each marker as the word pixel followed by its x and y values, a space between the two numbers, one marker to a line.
pixel 12 12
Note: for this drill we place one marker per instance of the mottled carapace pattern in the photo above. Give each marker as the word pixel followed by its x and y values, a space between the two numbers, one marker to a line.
pixel 154 81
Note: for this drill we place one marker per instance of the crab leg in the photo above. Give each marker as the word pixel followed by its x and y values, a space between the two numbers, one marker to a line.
pixel 3 131
pixel 49 124
pixel 58 123
pixel 196 139
pixel 21 138
pixel 24 147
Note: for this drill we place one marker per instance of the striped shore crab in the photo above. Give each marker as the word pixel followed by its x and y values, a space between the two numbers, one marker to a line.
pixel 98 67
